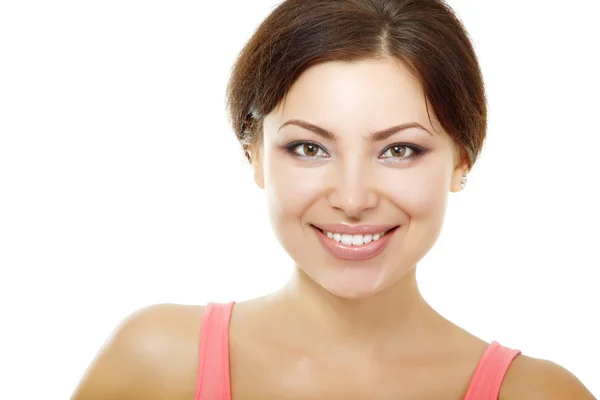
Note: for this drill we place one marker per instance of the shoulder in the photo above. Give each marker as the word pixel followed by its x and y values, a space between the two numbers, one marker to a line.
pixel 152 354
pixel 532 378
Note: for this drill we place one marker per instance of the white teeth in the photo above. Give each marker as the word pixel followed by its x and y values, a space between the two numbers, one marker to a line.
pixel 354 240
pixel 347 239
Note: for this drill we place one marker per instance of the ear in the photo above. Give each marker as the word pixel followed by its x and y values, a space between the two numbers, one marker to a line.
pixel 457 177
pixel 257 165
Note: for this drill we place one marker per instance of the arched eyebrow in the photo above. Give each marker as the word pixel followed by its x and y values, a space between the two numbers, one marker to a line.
pixel 373 137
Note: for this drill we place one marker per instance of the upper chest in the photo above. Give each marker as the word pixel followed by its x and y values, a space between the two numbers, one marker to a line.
pixel 259 372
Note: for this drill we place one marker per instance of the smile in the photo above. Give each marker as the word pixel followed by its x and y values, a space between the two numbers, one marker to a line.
pixel 354 242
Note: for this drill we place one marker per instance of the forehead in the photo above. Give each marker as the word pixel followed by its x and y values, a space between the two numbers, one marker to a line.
pixel 359 96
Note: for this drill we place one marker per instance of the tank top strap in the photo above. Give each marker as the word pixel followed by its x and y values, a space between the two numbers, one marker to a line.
pixel 490 372
pixel 213 381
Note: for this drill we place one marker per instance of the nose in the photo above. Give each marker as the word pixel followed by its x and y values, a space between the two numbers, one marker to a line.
pixel 354 190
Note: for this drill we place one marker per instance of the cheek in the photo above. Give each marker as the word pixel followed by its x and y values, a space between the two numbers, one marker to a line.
pixel 421 193
pixel 290 189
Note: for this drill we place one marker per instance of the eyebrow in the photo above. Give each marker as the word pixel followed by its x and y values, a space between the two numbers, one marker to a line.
pixel 373 137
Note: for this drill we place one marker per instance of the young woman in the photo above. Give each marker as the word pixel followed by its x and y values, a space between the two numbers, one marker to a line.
pixel 358 117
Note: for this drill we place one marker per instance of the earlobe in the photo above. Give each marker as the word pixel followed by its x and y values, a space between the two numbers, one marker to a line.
pixel 459 179
pixel 259 177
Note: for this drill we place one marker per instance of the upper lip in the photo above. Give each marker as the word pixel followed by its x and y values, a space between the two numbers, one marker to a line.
pixel 354 229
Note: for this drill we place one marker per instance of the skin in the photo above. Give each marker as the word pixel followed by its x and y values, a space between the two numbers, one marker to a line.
pixel 338 329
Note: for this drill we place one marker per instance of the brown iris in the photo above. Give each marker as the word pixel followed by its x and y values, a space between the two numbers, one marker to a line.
pixel 398 151
pixel 310 150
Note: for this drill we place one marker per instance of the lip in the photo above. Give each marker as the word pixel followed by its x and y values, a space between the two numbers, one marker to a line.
pixel 355 229
pixel 356 253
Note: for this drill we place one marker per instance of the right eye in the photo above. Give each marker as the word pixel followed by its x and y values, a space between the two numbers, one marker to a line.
pixel 307 150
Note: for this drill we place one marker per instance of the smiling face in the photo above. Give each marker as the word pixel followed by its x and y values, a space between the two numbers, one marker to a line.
pixel 333 169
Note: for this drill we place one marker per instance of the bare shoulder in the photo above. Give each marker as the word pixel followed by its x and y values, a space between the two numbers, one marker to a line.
pixel 152 354
pixel 533 378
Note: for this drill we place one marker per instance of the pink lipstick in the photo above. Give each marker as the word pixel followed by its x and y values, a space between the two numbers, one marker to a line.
pixel 354 242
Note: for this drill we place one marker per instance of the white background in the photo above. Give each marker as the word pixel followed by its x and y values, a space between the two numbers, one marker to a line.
pixel 121 183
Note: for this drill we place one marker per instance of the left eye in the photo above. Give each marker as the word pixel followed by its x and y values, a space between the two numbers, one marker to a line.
pixel 309 150
pixel 399 151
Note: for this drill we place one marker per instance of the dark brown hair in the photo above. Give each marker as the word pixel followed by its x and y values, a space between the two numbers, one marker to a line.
pixel 425 35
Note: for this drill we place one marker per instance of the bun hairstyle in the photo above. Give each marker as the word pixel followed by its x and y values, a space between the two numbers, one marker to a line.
pixel 425 35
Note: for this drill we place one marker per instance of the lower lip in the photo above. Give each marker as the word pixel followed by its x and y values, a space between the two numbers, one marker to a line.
pixel 348 252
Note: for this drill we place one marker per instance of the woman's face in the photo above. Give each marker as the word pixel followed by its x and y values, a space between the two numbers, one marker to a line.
pixel 337 178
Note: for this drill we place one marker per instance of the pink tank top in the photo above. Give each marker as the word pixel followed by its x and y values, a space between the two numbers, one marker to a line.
pixel 213 381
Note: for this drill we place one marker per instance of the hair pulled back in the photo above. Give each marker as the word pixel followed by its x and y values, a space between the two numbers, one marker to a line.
pixel 425 35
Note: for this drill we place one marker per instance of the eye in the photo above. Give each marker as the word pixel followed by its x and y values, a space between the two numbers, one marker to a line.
pixel 400 151
pixel 307 150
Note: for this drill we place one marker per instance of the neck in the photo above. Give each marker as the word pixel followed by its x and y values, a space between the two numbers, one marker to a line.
pixel 393 316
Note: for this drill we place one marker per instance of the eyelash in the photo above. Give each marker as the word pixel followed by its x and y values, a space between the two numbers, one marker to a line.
pixel 416 150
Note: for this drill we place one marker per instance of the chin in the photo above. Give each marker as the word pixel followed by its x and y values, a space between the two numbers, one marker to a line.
pixel 352 282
